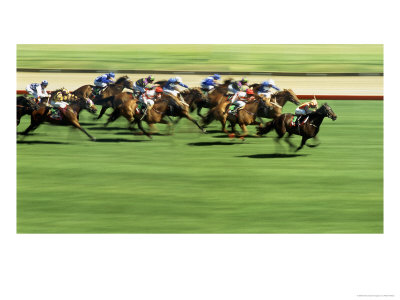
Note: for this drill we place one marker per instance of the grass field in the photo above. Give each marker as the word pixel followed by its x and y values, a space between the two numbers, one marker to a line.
pixel 195 183
pixel 203 57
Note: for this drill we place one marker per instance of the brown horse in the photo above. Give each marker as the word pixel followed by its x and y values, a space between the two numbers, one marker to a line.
pixel 309 128
pixel 168 105
pixel 25 106
pixel 215 97
pixel 105 99
pixel 247 115
pixel 68 116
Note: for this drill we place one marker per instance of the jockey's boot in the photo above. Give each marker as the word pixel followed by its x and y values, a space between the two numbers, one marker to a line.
pixel 145 112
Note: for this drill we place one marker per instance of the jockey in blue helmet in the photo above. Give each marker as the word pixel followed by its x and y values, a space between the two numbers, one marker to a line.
pixel 101 82
pixel 171 88
pixel 210 82
pixel 265 90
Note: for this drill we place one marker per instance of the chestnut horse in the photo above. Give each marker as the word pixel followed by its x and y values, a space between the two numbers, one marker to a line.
pixel 105 99
pixel 245 116
pixel 307 129
pixel 168 105
pixel 69 116
pixel 213 98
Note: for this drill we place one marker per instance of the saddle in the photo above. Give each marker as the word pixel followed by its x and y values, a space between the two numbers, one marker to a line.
pixel 299 121
pixel 141 108
pixel 55 113
pixel 97 91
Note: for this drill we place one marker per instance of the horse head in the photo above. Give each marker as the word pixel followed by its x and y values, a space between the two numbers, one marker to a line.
pixel 89 106
pixel 125 81
pixel 291 96
pixel 326 111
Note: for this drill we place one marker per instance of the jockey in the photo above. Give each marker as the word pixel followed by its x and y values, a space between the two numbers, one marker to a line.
pixel 38 90
pixel 140 85
pixel 150 96
pixel 240 99
pixel 170 88
pixel 210 82
pixel 305 109
pixel 265 90
pixel 237 86
pixel 101 82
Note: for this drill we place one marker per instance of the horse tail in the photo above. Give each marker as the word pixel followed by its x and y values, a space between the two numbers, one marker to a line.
pixel 266 128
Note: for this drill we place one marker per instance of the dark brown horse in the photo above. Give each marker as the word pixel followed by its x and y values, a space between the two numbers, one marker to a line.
pixel 105 99
pixel 309 128
pixel 246 115
pixel 68 116
pixel 25 106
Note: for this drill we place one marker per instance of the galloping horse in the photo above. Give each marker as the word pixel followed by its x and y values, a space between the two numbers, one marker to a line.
pixel 68 116
pixel 214 98
pixel 168 105
pixel 25 106
pixel 307 129
pixel 105 99
pixel 274 111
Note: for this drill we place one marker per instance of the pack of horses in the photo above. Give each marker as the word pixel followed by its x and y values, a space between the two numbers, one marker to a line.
pixel 217 101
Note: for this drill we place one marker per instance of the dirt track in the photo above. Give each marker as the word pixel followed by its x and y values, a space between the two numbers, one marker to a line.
pixel 348 85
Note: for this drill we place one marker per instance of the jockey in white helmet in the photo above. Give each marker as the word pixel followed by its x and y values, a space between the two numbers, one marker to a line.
pixel 37 90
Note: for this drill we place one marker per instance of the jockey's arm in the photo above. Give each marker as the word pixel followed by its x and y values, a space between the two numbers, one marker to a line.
pixel 276 88
pixel 182 84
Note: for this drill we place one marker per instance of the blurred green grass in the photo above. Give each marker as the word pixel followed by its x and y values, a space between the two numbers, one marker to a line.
pixel 344 58
pixel 195 183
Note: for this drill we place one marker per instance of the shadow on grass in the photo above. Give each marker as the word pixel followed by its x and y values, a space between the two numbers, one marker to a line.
pixel 88 123
pixel 211 144
pixel 119 141
pixel 272 155
pixel 107 128
pixel 138 133
pixel 41 142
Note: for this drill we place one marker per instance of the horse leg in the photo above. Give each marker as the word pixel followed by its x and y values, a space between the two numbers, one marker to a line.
pixel 287 140
pixel 76 124
pixel 103 110
pixel 186 115
pixel 303 141
pixel 316 139
pixel 30 128
pixel 198 112
pixel 114 115
pixel 267 128
pixel 142 129
pixel 244 129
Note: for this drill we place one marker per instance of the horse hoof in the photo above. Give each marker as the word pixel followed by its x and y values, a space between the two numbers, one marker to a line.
pixel 93 139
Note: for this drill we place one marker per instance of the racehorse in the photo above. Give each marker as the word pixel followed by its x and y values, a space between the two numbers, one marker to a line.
pixel 105 99
pixel 168 105
pixel 68 116
pixel 25 106
pixel 214 97
pixel 309 128
pixel 275 110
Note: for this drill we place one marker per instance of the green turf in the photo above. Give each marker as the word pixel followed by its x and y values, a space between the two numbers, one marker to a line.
pixel 213 58
pixel 195 183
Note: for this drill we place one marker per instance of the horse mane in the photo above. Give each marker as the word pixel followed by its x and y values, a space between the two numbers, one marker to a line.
pixel 161 82
pixel 121 79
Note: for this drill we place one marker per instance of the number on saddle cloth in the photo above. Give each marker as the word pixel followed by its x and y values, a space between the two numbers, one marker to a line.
pixel 55 113
pixel 97 90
